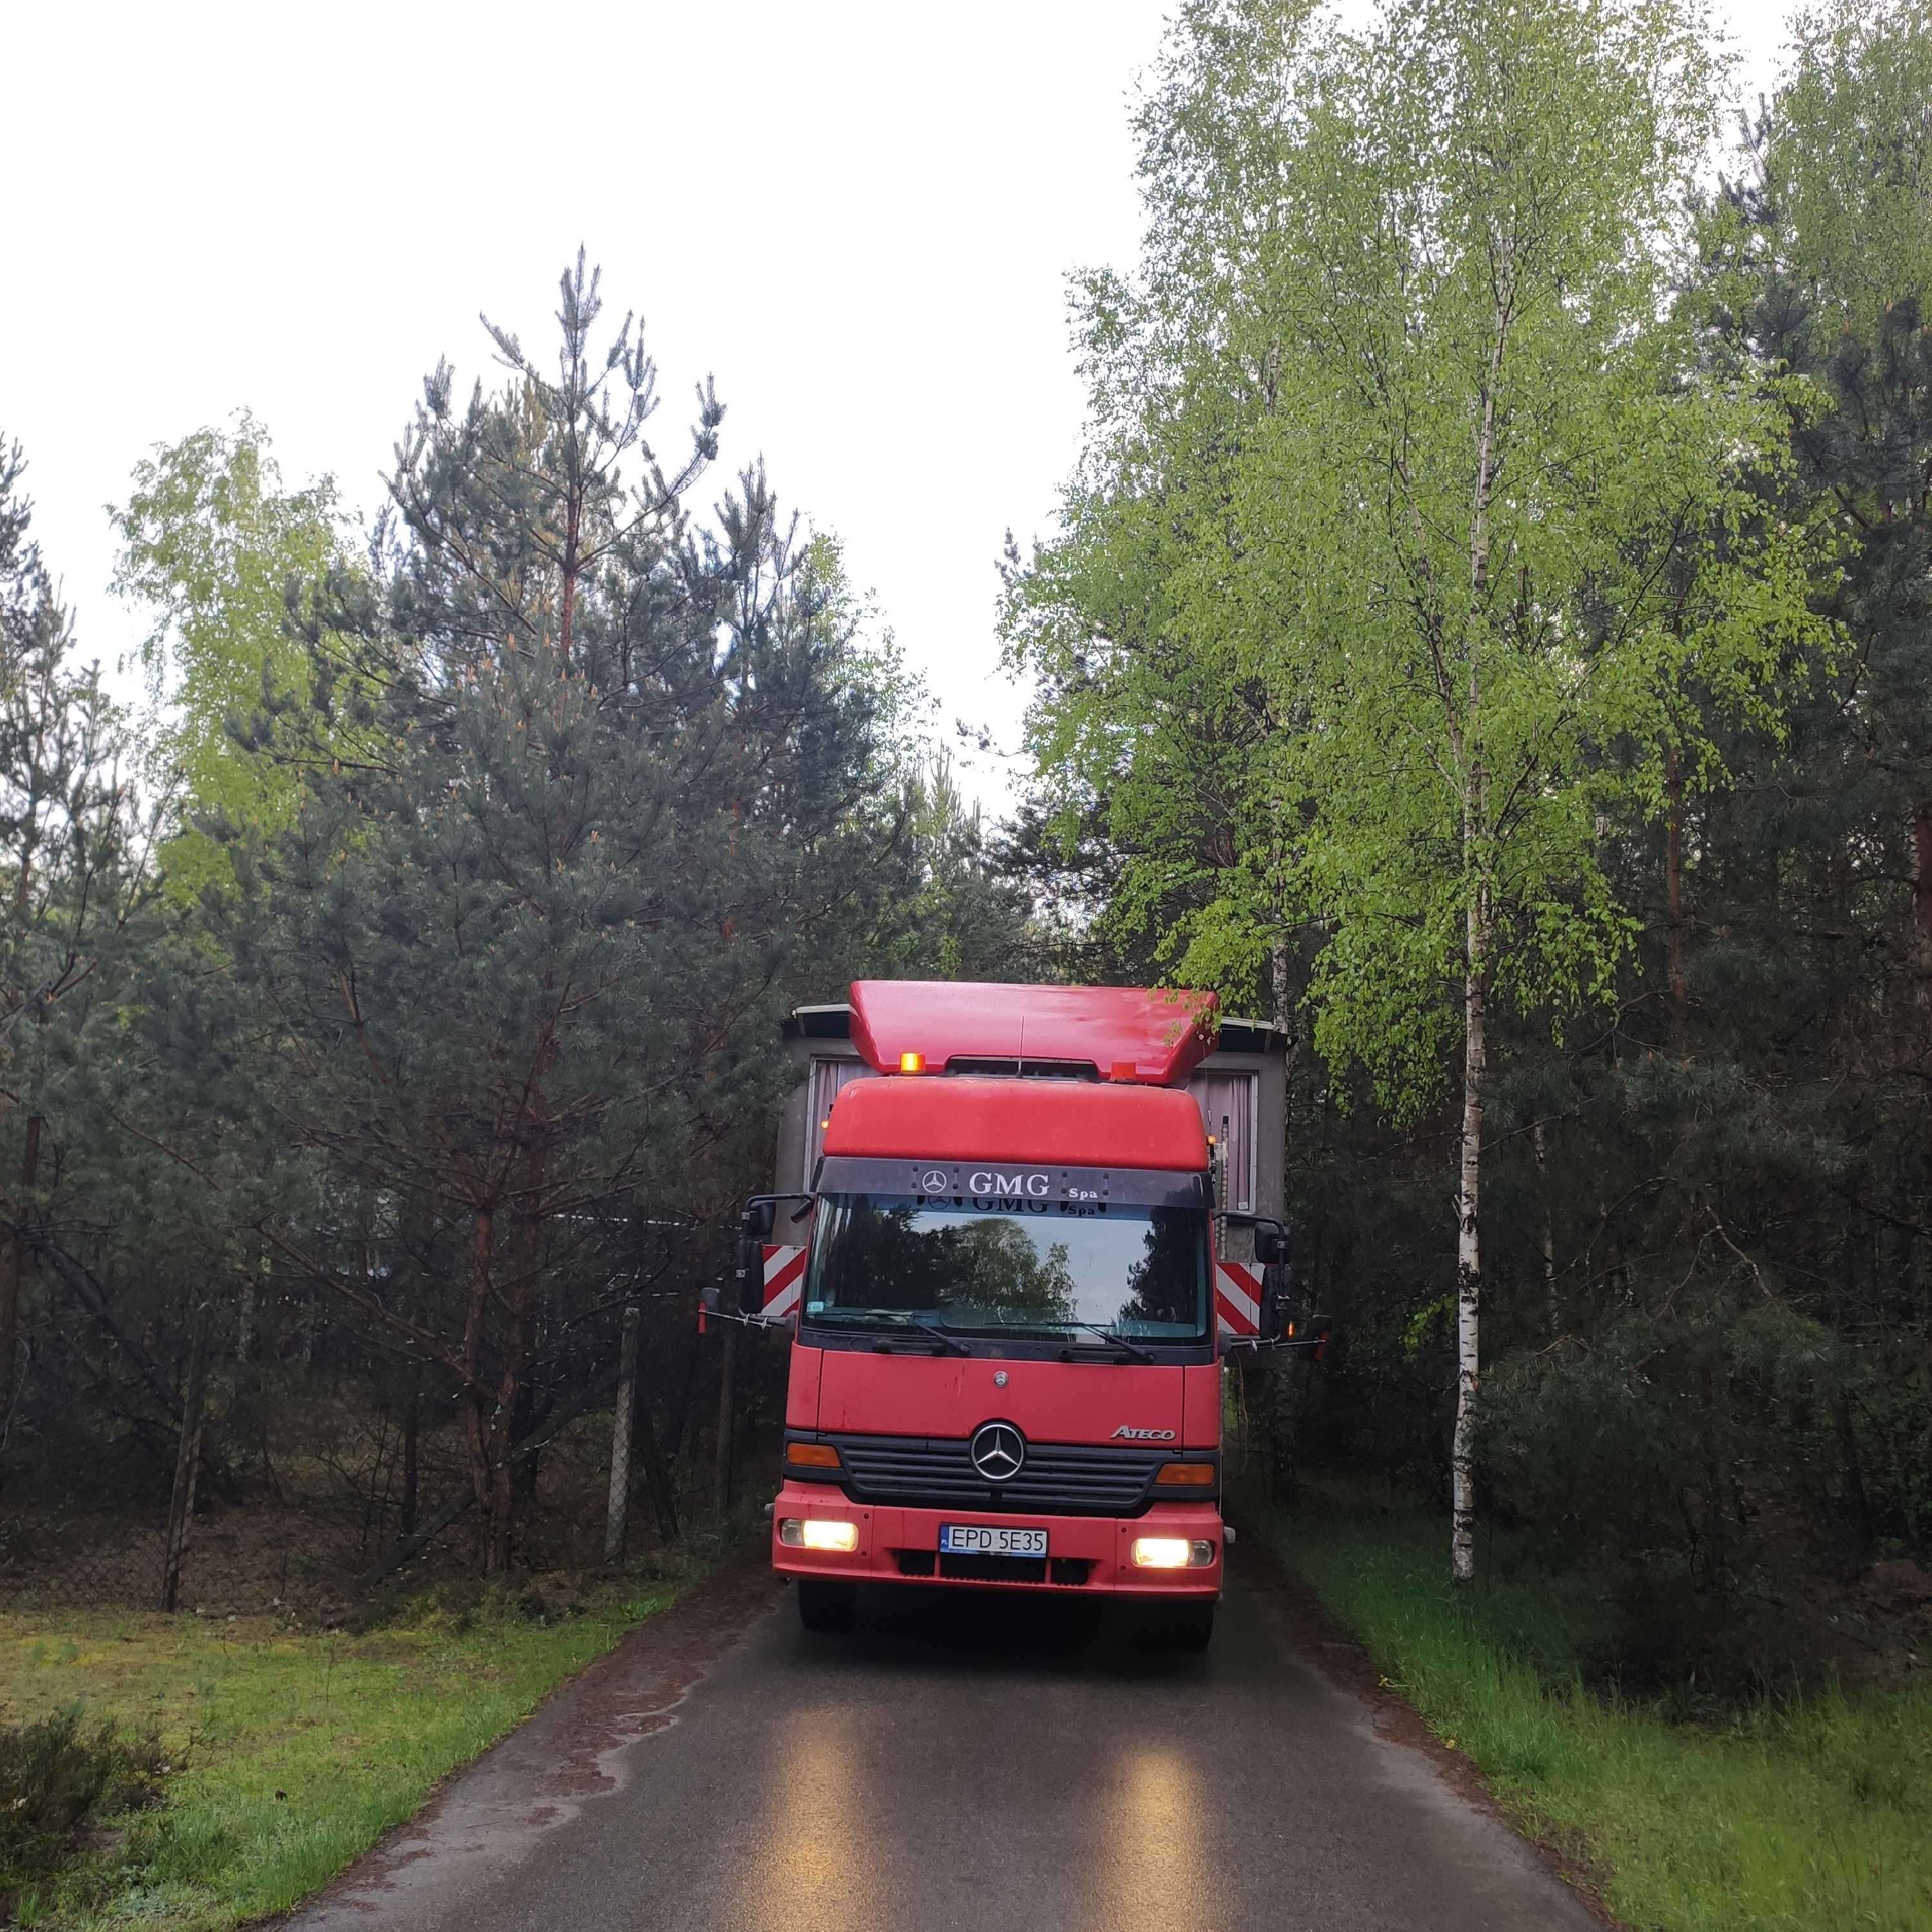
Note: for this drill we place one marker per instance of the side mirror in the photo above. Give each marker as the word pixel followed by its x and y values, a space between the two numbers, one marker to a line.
pixel 754 1229
pixel 1274 1254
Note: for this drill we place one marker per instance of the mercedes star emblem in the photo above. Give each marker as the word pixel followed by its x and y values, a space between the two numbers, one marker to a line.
pixel 999 1378
pixel 933 1180
pixel 998 1449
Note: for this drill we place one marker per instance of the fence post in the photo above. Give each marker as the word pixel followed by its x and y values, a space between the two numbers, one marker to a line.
pixel 188 1464
pixel 617 1515
pixel 721 1489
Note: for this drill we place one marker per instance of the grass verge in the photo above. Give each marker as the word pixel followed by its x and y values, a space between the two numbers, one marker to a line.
pixel 279 1756
pixel 1809 1814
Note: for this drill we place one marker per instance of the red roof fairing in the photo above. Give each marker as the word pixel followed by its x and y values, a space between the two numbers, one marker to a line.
pixel 1079 1123
pixel 1127 1033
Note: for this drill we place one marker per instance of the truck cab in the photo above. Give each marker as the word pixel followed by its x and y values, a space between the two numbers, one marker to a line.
pixel 1001 1240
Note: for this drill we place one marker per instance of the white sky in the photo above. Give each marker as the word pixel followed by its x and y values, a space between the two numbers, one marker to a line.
pixel 858 214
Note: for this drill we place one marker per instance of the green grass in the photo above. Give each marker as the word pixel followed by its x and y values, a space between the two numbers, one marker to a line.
pixel 287 1754
pixel 1811 1814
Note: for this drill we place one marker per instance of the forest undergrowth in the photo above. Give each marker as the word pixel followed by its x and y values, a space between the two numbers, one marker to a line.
pixel 1806 1809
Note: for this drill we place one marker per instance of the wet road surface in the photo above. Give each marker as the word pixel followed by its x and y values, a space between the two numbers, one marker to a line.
pixel 976 1762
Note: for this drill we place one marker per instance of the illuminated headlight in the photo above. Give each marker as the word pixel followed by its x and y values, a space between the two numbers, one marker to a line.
pixel 1171 1552
pixel 816 1533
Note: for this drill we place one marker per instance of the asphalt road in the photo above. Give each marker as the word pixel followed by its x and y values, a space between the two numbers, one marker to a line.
pixel 977 1761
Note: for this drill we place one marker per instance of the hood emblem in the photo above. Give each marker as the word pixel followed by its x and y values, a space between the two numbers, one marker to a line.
pixel 1127 1433
pixel 998 1450
pixel 999 1378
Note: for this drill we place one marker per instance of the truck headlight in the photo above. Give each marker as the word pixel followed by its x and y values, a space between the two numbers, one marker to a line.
pixel 1171 1552
pixel 817 1533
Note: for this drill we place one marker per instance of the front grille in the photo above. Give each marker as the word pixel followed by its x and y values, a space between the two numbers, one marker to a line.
pixel 1057 1479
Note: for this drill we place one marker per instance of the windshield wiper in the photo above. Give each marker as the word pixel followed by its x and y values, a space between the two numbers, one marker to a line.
pixel 949 1345
pixel 1113 1340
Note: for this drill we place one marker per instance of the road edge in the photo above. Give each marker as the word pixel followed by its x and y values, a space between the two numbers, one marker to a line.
pixel 1332 1648
pixel 589 1714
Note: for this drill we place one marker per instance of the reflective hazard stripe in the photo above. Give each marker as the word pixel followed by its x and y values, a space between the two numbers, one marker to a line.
pixel 1237 1298
pixel 784 1276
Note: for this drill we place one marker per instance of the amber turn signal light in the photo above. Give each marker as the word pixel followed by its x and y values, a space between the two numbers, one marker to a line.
pixel 811 1456
pixel 1186 1476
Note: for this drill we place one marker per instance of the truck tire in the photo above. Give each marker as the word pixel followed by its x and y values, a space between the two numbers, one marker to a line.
pixel 827 1606
pixel 1187 1629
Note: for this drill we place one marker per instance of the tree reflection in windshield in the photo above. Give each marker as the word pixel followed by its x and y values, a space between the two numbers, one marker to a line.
pixel 1139 1271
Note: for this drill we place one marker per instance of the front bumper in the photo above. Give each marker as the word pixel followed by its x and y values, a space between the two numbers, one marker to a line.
pixel 1086 1555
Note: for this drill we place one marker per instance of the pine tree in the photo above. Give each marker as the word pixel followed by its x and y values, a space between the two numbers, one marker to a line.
pixel 579 792
pixel 74 867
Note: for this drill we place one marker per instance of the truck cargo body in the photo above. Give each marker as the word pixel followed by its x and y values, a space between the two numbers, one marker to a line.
pixel 1015 1241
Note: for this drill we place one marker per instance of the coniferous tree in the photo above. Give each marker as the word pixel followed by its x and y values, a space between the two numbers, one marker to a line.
pixel 75 868
pixel 524 944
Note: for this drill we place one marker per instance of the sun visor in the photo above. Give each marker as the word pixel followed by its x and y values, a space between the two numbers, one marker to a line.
pixel 1142 1034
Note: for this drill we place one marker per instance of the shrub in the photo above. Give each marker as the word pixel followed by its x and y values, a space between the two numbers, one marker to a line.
pixel 57 1778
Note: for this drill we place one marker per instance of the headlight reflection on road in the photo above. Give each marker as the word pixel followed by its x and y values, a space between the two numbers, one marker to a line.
pixel 1153 1834
pixel 803 1875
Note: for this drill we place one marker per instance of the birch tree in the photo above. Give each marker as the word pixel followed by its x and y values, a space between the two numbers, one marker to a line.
pixel 1401 388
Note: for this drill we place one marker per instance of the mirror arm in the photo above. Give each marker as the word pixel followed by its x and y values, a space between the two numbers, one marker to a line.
pixel 1255 1344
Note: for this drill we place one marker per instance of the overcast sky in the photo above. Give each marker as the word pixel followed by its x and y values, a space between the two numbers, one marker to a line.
pixel 858 217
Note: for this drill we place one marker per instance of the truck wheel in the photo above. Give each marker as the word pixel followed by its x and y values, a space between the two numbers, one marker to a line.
pixel 1185 1628
pixel 827 1606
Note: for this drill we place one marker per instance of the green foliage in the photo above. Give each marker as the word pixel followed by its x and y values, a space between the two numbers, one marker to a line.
pixel 1422 544
pixel 1404 529
pixel 77 892
pixel 494 854
pixel 1806 1814
pixel 1846 166
pixel 581 788
pixel 57 1777
pixel 212 544
pixel 280 1756
pixel 947 910
pixel 1629 1452
pixel 1633 747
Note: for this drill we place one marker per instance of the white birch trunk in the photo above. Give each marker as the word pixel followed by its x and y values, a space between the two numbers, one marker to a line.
pixel 1468 1247
pixel 1551 1302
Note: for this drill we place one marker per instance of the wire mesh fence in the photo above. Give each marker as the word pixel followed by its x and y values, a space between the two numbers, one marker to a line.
pixel 310 1475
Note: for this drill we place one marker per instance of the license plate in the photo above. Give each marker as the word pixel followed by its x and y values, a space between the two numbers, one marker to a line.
pixel 990 1539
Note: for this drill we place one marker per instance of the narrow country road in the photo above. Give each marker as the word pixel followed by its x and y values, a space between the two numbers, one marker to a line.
pixel 963 1761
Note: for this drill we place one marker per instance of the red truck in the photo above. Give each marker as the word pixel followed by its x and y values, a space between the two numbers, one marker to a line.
pixel 1015 1232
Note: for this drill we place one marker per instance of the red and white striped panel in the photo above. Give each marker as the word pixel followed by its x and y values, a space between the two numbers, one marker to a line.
pixel 784 1276
pixel 1237 1298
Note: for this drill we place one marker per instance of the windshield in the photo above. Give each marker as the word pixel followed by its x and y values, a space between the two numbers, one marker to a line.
pixel 1046 1267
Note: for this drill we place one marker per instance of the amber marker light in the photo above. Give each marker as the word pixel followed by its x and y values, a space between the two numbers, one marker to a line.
pixel 811 1456
pixel 912 1063
pixel 1186 1476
